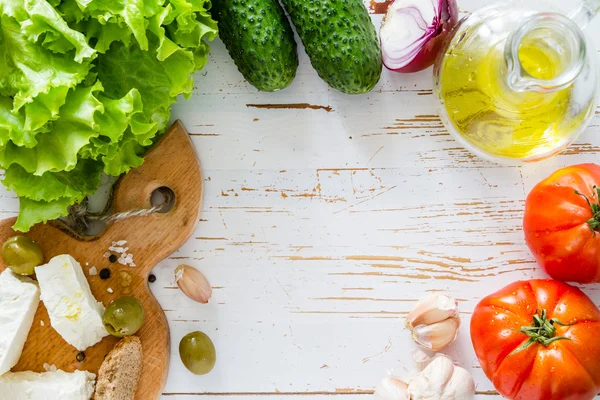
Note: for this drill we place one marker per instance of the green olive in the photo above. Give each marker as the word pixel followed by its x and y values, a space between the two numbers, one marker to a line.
pixel 197 353
pixel 22 255
pixel 124 316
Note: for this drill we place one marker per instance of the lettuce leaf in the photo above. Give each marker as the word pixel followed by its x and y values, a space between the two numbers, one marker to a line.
pixel 32 212
pixel 77 183
pixel 86 86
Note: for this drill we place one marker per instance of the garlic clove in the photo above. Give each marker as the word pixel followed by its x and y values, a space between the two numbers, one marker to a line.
pixel 442 380
pixel 391 388
pixel 436 336
pixel 193 283
pixel 431 309
pixel 430 383
pixel 421 359
pixel 460 386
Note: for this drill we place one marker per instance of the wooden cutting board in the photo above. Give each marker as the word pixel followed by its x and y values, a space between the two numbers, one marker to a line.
pixel 171 163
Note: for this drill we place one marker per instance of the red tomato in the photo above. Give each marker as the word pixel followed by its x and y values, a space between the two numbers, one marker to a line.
pixel 562 223
pixel 527 352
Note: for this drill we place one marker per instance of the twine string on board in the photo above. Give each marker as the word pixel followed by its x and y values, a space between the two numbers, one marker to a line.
pixel 80 218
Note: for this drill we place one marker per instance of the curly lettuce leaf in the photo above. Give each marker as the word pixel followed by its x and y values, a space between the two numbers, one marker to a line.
pixel 32 212
pixel 125 157
pixel 12 126
pixel 128 67
pixel 57 150
pixel 28 69
pixel 48 197
pixel 58 37
pixel 133 13
pixel 75 184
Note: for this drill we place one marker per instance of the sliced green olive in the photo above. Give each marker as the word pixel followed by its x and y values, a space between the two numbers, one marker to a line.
pixel 22 255
pixel 124 316
pixel 197 353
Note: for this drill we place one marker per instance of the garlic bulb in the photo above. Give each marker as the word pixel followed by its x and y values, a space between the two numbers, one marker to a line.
pixel 434 322
pixel 440 380
pixel 193 283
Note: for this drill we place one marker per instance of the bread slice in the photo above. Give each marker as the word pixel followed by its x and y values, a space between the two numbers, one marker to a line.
pixel 120 372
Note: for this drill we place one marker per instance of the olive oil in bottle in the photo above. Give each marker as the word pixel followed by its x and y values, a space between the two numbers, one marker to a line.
pixel 514 94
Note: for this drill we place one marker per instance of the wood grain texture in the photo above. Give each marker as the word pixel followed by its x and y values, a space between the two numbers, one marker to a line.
pixel 322 225
pixel 172 163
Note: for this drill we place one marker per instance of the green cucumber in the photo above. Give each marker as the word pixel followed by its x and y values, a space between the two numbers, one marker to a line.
pixel 260 40
pixel 340 40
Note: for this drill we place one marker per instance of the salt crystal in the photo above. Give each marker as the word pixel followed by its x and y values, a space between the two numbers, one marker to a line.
pixel 106 255
pixel 42 323
pixel 118 249
pixel 93 271
pixel 50 368
pixel 109 290
pixel 87 263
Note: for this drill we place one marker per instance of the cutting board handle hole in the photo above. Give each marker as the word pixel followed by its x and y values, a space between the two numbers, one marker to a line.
pixel 163 196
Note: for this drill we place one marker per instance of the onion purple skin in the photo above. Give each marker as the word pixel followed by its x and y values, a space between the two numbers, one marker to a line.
pixel 429 52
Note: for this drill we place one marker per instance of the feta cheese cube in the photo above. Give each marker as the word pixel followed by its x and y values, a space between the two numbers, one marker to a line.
pixel 73 310
pixel 19 299
pixel 54 385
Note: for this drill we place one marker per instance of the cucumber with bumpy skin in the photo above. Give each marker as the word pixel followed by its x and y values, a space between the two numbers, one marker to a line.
pixel 260 40
pixel 340 40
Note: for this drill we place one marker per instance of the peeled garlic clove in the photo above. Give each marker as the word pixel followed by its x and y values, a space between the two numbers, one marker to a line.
pixel 391 388
pixel 438 335
pixel 193 283
pixel 431 309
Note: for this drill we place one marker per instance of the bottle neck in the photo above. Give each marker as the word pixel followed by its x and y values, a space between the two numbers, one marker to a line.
pixel 585 12
pixel 545 54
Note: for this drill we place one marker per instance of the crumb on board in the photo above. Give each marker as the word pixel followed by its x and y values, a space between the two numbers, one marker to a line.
pixel 42 323
pixel 93 271
pixel 109 290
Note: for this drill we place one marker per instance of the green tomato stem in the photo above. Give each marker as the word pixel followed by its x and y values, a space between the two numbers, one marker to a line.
pixel 594 222
pixel 542 331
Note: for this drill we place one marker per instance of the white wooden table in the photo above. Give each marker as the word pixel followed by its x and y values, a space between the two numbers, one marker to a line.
pixel 322 226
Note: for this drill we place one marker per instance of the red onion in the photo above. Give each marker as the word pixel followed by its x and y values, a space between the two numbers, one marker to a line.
pixel 413 31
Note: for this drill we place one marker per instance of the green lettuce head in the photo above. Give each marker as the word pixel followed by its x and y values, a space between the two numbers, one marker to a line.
pixel 85 87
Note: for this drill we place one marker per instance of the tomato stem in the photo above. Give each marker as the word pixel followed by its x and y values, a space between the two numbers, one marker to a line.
pixel 594 222
pixel 542 331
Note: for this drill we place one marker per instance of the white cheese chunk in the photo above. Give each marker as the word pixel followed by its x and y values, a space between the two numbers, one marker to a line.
pixel 19 299
pixel 73 310
pixel 55 385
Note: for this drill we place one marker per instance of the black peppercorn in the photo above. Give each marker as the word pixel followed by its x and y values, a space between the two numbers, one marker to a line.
pixel 105 273
pixel 80 356
pixel 152 278
pixel 113 258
